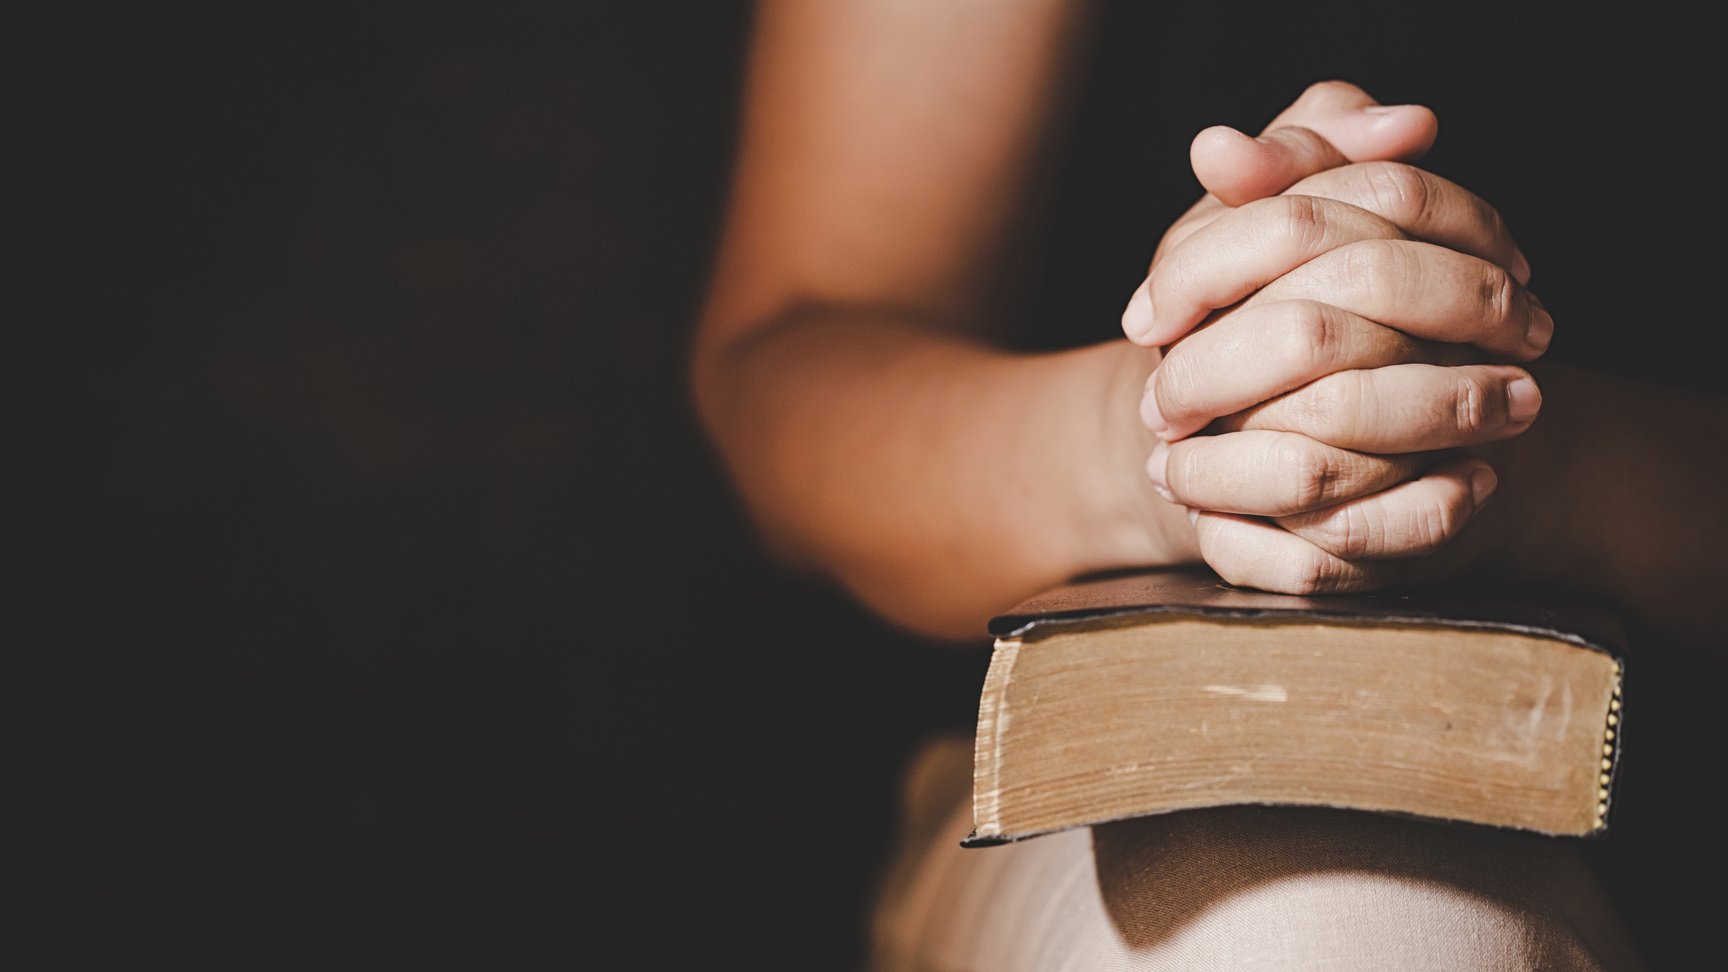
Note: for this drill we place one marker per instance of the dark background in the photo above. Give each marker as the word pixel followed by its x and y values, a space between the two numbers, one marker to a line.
pixel 399 613
pixel 409 621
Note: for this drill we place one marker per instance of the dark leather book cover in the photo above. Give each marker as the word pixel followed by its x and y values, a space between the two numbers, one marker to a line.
pixel 1564 615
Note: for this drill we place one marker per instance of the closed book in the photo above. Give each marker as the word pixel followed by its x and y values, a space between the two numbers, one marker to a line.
pixel 1166 690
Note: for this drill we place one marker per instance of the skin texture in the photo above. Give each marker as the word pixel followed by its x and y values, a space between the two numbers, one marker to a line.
pixel 1335 371
pixel 844 366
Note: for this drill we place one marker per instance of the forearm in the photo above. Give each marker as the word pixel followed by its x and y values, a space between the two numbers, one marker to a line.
pixel 937 478
pixel 1620 491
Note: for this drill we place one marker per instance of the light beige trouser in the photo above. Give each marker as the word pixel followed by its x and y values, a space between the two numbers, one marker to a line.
pixel 1232 888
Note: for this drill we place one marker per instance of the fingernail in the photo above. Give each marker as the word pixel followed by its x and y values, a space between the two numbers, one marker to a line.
pixel 1156 465
pixel 1523 401
pixel 1541 330
pixel 1149 412
pixel 1137 318
pixel 1193 517
pixel 1521 266
pixel 1482 483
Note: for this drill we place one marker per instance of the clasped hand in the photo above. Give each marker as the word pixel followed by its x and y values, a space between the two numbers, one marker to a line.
pixel 1339 340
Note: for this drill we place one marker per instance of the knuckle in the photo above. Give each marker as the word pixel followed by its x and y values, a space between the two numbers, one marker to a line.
pixel 1305 571
pixel 1311 333
pixel 1353 532
pixel 1432 526
pixel 1339 407
pixel 1471 414
pixel 1499 295
pixel 1174 386
pixel 1309 572
pixel 1300 221
pixel 1309 471
pixel 1186 473
pixel 1402 193
pixel 1321 92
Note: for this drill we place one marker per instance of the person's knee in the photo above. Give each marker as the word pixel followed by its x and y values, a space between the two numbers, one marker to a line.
pixel 1270 888
pixel 1345 920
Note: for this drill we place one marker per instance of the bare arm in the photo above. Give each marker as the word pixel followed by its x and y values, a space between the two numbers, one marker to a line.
pixel 840 366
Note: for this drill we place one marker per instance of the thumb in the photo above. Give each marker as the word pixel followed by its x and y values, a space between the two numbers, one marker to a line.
pixel 1333 123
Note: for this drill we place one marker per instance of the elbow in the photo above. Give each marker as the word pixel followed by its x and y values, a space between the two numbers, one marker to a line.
pixel 767 394
pixel 727 401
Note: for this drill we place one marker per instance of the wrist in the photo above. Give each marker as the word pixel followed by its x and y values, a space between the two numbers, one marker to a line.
pixel 1129 523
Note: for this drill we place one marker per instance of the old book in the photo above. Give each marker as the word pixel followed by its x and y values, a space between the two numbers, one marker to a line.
pixel 1166 690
